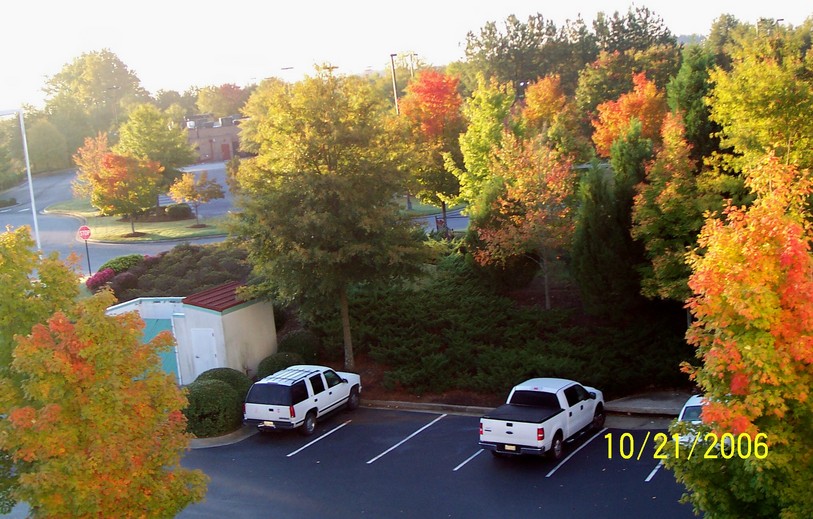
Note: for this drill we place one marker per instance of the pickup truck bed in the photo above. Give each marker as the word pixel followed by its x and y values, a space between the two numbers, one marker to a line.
pixel 522 413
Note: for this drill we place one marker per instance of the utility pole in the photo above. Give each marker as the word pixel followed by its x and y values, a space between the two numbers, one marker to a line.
pixel 394 84
pixel 411 64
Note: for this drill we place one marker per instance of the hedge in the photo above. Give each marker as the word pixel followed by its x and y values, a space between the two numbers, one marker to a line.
pixel 213 410
pixel 302 342
pixel 238 380
pixel 276 362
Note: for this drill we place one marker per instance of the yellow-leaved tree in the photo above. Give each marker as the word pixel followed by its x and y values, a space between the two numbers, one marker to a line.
pixel 93 424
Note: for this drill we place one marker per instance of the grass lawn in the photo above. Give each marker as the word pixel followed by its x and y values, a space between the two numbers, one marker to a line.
pixel 420 209
pixel 113 229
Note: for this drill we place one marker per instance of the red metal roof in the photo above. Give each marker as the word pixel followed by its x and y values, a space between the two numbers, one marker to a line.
pixel 219 298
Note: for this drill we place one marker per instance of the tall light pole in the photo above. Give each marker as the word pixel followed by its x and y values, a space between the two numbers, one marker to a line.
pixel 19 112
pixel 394 84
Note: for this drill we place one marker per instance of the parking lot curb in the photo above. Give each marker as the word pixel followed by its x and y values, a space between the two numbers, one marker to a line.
pixel 430 407
pixel 246 431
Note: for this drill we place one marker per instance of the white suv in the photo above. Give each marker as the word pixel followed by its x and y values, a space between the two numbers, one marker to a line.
pixel 297 396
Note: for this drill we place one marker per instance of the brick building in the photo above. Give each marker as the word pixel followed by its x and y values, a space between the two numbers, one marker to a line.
pixel 213 141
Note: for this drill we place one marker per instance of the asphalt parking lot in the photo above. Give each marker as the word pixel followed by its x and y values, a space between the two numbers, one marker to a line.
pixel 392 463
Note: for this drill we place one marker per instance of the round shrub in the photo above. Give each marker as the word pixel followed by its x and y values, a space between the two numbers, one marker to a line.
pixel 99 279
pixel 238 380
pixel 213 410
pixel 123 263
pixel 276 362
pixel 303 342
pixel 124 281
pixel 179 211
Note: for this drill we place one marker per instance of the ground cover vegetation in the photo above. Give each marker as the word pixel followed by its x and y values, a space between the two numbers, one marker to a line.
pixel 655 174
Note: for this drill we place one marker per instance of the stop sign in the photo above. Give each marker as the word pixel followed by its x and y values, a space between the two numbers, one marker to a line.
pixel 84 232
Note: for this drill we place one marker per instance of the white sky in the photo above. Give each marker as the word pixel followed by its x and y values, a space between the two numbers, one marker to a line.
pixel 175 44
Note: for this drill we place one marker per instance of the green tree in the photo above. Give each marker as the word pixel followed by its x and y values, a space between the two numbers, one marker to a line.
pixel 96 427
pixel 637 30
pixel 89 93
pixel 686 94
pixel 668 215
pixel 196 190
pixel 34 287
pixel 150 135
pixel 47 146
pixel 317 202
pixel 488 113
pixel 600 238
pixel 752 279
pixel 763 103
pixel 227 99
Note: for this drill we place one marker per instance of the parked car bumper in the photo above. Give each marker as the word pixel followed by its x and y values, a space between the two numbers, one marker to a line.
pixel 270 425
pixel 517 450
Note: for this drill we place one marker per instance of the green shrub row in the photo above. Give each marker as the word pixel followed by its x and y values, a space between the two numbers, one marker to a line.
pixel 454 332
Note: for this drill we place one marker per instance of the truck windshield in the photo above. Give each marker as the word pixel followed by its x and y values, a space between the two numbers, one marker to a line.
pixel 535 399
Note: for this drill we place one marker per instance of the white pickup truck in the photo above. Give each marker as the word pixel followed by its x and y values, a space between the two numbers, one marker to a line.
pixel 539 416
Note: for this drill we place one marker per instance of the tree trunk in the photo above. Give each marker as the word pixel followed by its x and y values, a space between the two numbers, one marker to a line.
pixel 132 223
pixel 349 361
pixel 443 211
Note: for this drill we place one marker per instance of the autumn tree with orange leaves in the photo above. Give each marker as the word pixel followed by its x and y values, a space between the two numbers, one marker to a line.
pixel 96 427
pixel 753 304
pixel 533 215
pixel 432 111
pixel 644 103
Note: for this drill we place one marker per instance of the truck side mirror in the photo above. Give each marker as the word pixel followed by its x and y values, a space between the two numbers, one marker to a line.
pixel 592 395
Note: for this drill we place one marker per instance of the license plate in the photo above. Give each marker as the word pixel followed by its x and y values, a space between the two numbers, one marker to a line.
pixel 268 424
pixel 511 447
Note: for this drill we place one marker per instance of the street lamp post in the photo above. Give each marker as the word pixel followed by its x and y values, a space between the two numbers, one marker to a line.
pixel 394 84
pixel 19 112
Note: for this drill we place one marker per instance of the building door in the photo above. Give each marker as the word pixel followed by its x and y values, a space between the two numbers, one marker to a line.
pixel 204 350
pixel 225 151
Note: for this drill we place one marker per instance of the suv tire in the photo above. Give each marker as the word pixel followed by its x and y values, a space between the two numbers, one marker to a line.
pixel 309 425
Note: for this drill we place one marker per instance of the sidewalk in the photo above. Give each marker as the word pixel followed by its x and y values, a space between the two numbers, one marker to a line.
pixel 654 410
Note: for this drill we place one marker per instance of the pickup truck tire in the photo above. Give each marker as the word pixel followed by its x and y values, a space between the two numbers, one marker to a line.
pixel 353 400
pixel 309 425
pixel 599 417
pixel 557 446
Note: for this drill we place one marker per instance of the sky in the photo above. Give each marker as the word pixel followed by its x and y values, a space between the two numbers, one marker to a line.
pixel 176 44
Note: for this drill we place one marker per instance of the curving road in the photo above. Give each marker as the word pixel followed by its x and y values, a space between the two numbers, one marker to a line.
pixel 58 232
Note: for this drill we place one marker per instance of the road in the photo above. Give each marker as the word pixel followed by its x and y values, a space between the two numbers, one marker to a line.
pixel 390 463
pixel 58 232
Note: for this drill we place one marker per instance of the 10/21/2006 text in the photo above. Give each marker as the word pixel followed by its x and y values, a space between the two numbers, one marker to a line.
pixel 725 446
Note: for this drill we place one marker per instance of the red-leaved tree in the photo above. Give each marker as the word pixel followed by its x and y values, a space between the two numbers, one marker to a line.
pixel 432 112
pixel 753 303
pixel 644 103
pixel 533 215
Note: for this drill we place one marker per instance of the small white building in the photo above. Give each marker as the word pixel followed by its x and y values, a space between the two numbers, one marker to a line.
pixel 212 329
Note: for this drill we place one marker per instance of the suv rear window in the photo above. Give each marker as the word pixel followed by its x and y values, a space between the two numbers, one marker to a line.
pixel 276 394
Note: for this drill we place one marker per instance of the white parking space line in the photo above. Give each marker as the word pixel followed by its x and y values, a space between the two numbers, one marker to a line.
pixel 407 438
pixel 318 439
pixel 574 453
pixel 468 460
pixel 654 471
